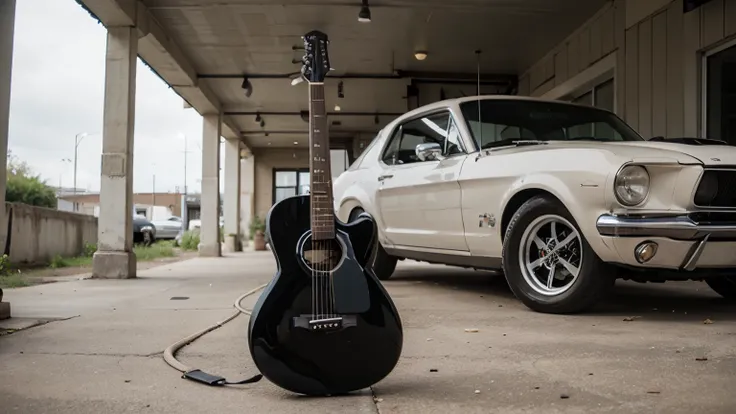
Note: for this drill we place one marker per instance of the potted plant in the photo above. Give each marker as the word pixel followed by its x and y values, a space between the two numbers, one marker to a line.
pixel 258 233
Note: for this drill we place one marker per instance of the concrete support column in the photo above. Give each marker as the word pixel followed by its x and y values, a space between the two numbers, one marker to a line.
pixel 247 195
pixel 7 28
pixel 231 205
pixel 114 257
pixel 209 238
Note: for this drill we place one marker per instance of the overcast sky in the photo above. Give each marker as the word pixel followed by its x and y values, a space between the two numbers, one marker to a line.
pixel 57 92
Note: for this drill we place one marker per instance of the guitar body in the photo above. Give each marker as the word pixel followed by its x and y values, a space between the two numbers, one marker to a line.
pixel 325 332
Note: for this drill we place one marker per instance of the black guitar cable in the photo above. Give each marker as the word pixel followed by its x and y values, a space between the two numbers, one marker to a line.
pixel 197 374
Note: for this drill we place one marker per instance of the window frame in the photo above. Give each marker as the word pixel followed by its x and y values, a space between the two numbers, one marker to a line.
pixel 398 126
pixel 297 171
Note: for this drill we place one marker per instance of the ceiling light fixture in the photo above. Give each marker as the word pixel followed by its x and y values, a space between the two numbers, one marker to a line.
pixel 247 86
pixel 337 108
pixel 365 13
pixel 258 117
pixel 296 142
pixel 420 55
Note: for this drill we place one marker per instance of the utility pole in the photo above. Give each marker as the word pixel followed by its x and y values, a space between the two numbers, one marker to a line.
pixel 77 140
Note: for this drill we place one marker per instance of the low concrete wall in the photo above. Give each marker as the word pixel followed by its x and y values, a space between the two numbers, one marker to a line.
pixel 38 234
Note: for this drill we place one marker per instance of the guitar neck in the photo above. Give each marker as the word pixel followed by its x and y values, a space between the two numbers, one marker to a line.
pixel 323 222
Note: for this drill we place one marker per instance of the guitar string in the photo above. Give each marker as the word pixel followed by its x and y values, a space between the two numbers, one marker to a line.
pixel 316 231
pixel 312 224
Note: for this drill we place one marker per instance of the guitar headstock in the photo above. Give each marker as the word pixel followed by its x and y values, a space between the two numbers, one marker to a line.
pixel 316 59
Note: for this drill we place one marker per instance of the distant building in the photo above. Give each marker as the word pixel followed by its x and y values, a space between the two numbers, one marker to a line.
pixel 154 206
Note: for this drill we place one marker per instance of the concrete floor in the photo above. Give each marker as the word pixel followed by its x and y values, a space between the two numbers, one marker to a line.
pixel 107 357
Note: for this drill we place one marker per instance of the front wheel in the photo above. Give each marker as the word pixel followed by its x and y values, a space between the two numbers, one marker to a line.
pixel 384 265
pixel 724 286
pixel 549 265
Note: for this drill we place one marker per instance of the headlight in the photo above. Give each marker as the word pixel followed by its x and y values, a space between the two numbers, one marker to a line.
pixel 632 185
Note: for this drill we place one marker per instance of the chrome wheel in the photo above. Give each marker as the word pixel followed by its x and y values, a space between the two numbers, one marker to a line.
pixel 550 255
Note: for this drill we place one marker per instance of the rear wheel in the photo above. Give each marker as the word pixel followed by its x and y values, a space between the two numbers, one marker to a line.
pixel 384 264
pixel 548 263
pixel 724 286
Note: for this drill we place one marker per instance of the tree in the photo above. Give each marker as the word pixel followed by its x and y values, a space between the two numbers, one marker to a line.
pixel 24 187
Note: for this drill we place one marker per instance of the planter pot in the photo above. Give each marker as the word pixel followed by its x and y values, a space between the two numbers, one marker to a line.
pixel 259 241
pixel 232 243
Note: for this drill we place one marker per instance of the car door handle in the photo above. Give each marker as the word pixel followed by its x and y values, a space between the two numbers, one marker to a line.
pixel 385 176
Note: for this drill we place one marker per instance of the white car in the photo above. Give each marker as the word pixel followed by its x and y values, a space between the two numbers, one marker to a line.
pixel 168 228
pixel 562 198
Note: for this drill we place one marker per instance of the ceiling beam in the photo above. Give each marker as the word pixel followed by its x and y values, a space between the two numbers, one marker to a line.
pixel 296 74
pixel 306 113
pixel 162 54
pixel 418 77
pixel 336 132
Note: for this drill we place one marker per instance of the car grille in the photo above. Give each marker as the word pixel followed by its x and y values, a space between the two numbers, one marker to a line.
pixel 717 188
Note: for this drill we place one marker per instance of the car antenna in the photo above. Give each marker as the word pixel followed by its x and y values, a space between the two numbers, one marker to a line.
pixel 480 120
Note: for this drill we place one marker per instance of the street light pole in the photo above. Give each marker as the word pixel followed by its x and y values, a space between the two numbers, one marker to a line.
pixel 77 139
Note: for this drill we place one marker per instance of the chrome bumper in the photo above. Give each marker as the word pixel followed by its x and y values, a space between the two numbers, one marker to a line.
pixel 675 227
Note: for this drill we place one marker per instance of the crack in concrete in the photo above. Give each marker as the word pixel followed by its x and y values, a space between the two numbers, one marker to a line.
pixel 375 400
pixel 36 323
pixel 116 355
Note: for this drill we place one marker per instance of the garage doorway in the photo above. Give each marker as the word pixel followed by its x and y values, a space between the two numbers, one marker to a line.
pixel 720 94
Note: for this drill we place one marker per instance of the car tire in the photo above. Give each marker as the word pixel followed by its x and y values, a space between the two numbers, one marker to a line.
pixel 524 242
pixel 724 286
pixel 384 264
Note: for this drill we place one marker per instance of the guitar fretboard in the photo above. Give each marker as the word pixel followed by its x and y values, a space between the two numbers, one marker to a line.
pixel 323 221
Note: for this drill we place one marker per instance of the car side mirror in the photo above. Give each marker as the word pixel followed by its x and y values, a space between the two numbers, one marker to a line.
pixel 430 151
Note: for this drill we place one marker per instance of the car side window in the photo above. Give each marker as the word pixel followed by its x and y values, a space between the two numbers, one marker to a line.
pixel 428 129
pixel 391 154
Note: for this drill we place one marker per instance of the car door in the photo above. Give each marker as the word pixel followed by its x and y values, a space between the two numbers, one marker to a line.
pixel 419 200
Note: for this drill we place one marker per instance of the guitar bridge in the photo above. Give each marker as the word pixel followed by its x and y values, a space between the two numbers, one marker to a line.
pixel 337 323
pixel 330 324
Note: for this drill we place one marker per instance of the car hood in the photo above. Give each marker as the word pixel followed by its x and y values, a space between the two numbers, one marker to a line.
pixel 684 151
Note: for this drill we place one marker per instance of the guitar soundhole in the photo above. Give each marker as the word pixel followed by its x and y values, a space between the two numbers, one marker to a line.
pixel 322 255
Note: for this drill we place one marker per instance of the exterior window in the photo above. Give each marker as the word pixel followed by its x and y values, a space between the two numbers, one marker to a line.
pixel 289 183
pixel 601 96
pixel 720 105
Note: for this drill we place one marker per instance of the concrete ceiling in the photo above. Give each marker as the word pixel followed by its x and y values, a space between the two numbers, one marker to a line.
pixel 220 40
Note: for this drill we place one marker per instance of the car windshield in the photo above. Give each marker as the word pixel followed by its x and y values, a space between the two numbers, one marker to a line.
pixel 503 121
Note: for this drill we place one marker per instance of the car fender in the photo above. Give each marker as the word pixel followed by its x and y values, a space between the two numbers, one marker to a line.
pixel 584 200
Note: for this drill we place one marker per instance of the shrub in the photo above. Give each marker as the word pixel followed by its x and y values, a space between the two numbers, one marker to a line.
pixel 190 240
pixel 257 224
pixel 89 249
pixel 5 265
pixel 57 262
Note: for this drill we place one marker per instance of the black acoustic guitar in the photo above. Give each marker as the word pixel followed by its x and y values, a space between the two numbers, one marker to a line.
pixel 324 325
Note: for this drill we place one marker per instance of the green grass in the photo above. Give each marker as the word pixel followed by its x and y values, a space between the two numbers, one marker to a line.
pixel 58 262
pixel 155 251
pixel 190 240
pixel 13 280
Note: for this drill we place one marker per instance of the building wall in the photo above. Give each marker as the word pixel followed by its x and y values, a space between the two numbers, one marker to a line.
pixel 265 162
pixel 655 51
pixel 38 234
pixel 89 203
